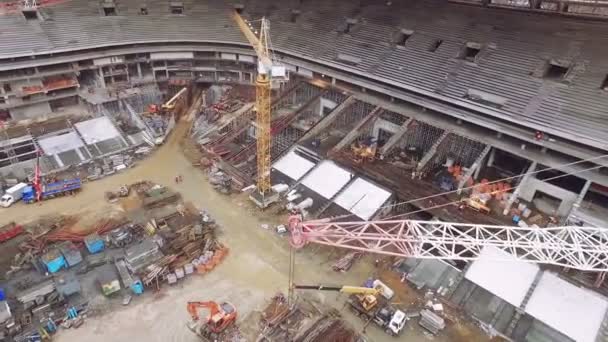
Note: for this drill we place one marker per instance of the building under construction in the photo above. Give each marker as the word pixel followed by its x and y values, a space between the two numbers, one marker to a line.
pixel 387 105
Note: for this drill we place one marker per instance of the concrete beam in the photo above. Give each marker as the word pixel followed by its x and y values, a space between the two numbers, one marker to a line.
pixel 354 133
pixel 431 152
pixel 396 137
pixel 331 117
pixel 523 181
pixel 476 166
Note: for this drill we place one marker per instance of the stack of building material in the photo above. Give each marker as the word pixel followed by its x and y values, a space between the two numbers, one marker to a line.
pixel 142 255
pixel 108 279
pixel 431 321
pixel 346 262
pixel 36 291
pixel 159 196
pixel 71 253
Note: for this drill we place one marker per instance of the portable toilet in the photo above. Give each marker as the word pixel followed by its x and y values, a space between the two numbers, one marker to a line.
pixel 94 243
pixel 53 260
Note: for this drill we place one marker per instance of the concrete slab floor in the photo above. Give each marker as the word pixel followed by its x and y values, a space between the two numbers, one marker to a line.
pixel 255 269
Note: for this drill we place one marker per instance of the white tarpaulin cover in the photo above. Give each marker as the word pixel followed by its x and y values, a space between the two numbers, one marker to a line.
pixel 508 279
pixel 327 179
pixel 96 130
pixel 362 198
pixel 573 311
pixel 293 166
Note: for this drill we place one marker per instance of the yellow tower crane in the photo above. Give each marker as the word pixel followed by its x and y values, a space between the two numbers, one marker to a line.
pixel 267 68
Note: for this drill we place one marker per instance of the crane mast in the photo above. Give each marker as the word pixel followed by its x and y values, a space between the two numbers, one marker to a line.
pixel 263 86
pixel 582 248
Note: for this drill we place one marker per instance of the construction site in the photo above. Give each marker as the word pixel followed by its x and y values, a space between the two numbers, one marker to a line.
pixel 306 171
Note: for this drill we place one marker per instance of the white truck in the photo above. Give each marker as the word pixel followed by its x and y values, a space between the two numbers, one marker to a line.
pixel 12 195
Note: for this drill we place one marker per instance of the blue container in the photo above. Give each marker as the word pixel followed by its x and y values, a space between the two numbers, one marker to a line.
pixel 137 287
pixel 2 295
pixel 54 261
pixel 94 243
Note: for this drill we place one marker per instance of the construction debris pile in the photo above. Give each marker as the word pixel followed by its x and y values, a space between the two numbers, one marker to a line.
pixel 160 241
pixel 302 322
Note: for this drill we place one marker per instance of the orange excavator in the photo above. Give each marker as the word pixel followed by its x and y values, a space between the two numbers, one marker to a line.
pixel 221 317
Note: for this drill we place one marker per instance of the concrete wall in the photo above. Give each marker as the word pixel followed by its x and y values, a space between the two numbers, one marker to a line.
pixel 529 188
pixel 384 125
pixel 325 103
pixel 32 111
pixel 18 170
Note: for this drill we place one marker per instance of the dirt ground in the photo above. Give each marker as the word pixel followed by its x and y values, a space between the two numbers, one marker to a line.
pixel 255 269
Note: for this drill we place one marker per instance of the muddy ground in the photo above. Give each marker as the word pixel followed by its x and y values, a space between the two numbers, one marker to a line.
pixel 255 269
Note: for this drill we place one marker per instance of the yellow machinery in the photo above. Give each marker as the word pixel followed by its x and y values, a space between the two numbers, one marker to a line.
pixel 364 152
pixel 367 297
pixel 266 68
pixel 167 106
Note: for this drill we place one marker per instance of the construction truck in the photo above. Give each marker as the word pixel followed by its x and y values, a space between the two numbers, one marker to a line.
pixel 12 195
pixel 364 301
pixel 50 190
pixel 221 318
pixel 391 319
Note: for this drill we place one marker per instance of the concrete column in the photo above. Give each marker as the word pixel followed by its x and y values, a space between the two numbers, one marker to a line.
pixel 354 133
pixel 477 171
pixel 395 138
pixel 580 198
pixel 491 157
pixel 102 79
pixel 431 152
pixel 333 81
pixel 139 69
pixel 518 189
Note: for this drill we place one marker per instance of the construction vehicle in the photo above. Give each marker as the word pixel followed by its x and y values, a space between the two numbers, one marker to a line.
pixel 167 106
pixel 221 317
pixel 269 71
pixel 476 204
pixel 390 319
pixel 12 195
pixel 364 150
pixel 55 189
pixel 363 301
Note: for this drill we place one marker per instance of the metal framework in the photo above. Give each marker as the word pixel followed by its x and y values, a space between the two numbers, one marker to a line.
pixel 580 248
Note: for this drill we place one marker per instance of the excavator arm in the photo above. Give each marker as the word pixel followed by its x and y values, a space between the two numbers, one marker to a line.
pixel 193 308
